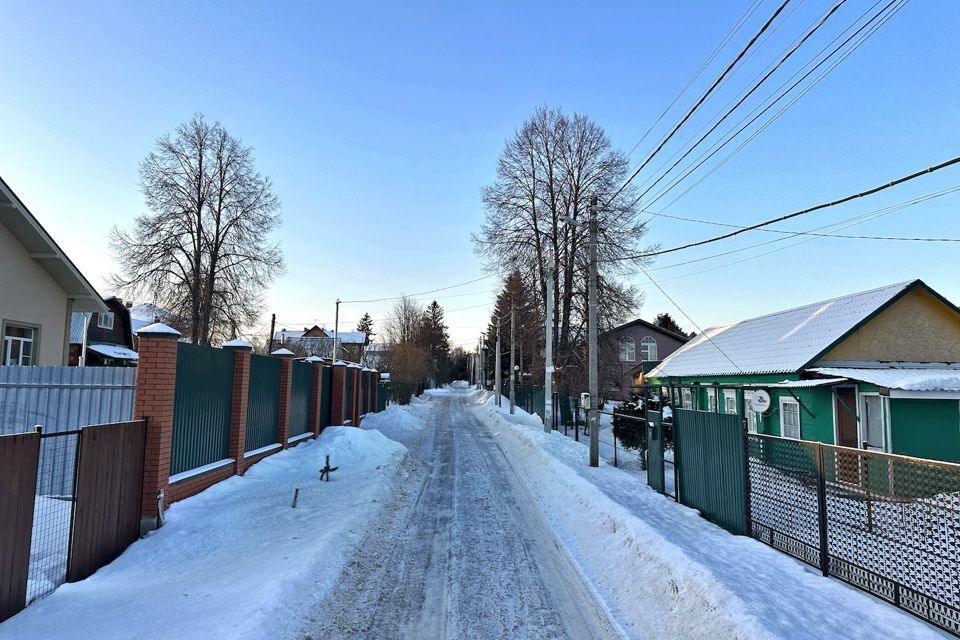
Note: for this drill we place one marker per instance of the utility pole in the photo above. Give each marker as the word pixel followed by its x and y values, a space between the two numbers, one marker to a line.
pixel 513 360
pixel 483 361
pixel 273 326
pixel 336 331
pixel 593 417
pixel 548 360
pixel 496 373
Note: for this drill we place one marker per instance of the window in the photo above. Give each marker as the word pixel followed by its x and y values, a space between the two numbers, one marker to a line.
pixel 686 398
pixel 753 418
pixel 18 345
pixel 789 418
pixel 105 320
pixel 628 349
pixel 729 401
pixel 873 422
pixel 648 349
pixel 711 399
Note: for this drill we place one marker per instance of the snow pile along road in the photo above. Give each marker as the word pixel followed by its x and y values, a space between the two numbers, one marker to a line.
pixel 396 422
pixel 667 573
pixel 235 561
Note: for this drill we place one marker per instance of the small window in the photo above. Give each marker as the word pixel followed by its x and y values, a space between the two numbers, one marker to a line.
pixel 628 349
pixel 711 400
pixel 686 398
pixel 873 423
pixel 729 401
pixel 789 418
pixel 753 418
pixel 18 345
pixel 648 349
pixel 105 320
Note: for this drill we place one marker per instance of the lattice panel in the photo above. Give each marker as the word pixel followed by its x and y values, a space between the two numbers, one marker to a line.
pixel 783 496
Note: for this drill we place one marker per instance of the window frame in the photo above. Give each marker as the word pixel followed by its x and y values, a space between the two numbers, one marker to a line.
pixel 754 418
pixel 728 403
pixel 712 405
pixel 101 316
pixel 645 343
pixel 864 416
pixel 785 400
pixel 624 341
pixel 686 398
pixel 6 343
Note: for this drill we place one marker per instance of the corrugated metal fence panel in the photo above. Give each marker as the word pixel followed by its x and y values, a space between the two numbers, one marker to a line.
pixel 709 463
pixel 347 397
pixel 64 398
pixel 263 402
pixel 326 389
pixel 202 406
pixel 302 388
pixel 382 392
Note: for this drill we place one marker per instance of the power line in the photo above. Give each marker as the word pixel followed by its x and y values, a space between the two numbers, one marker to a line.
pixel 422 293
pixel 747 121
pixel 699 102
pixel 795 214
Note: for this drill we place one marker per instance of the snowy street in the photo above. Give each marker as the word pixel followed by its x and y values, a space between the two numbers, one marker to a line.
pixel 464 552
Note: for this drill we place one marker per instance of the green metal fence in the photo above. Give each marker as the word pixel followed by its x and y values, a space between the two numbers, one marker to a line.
pixel 347 396
pixel 300 397
pixel 382 392
pixel 709 459
pixel 326 389
pixel 202 406
pixel 263 402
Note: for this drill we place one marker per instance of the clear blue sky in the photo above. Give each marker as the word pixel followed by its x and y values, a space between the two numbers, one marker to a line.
pixel 379 124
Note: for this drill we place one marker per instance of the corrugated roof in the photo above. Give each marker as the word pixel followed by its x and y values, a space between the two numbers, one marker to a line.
pixel 920 379
pixel 797 384
pixel 781 342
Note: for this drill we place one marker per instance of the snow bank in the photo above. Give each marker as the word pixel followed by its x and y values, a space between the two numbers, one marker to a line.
pixel 235 560
pixel 667 573
pixel 396 422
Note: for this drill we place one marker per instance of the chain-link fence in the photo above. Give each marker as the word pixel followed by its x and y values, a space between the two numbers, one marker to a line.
pixel 885 523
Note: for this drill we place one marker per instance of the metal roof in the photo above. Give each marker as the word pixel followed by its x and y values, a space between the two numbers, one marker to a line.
pixel 907 379
pixel 28 231
pixel 114 351
pixel 797 384
pixel 781 342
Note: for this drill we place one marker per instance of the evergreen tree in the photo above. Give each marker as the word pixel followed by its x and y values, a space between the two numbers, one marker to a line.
pixel 433 337
pixel 366 326
pixel 529 324
pixel 666 321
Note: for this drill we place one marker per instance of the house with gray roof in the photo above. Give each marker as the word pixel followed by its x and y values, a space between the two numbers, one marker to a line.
pixel 878 369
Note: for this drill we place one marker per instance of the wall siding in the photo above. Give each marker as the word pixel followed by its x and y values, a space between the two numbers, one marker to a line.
pixel 925 428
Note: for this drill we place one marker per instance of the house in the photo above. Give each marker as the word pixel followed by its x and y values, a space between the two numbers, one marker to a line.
pixel 317 341
pixel 629 351
pixel 878 369
pixel 40 288
pixel 108 336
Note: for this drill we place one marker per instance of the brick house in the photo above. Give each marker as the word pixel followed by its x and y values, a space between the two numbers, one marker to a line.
pixel 629 351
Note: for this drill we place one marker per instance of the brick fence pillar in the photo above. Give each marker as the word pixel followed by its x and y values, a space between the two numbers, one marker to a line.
pixel 238 413
pixel 156 388
pixel 316 394
pixel 286 394
pixel 339 380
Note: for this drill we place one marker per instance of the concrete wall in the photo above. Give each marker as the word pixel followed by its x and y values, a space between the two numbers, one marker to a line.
pixel 29 296
pixel 916 328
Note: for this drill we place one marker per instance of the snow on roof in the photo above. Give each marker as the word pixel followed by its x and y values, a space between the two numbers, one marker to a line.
pixel 781 342
pixel 237 343
pixel 798 384
pixel 113 351
pixel 286 334
pixel 907 379
pixel 350 337
pixel 282 352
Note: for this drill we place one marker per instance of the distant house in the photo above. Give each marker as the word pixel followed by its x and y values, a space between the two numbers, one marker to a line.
pixel 109 336
pixel 631 350
pixel 39 289
pixel 878 369
pixel 317 341
pixel 375 356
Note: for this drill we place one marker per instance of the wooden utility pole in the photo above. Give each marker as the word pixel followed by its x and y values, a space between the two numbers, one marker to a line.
pixel 593 417
pixel 513 360
pixel 273 326
pixel 548 360
pixel 496 375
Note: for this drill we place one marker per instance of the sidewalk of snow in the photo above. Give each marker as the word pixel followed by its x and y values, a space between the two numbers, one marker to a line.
pixel 663 570
pixel 236 560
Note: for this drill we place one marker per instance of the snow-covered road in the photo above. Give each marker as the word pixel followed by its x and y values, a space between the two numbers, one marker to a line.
pixel 464 551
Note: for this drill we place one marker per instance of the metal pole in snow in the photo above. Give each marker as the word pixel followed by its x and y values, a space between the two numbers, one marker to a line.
pixel 513 333
pixel 336 331
pixel 496 374
pixel 548 369
pixel 593 417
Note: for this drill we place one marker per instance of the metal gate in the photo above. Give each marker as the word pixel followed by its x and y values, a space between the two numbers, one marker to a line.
pixel 709 459
pixel 19 455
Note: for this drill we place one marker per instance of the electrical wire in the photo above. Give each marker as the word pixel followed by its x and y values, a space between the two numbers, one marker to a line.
pixel 422 293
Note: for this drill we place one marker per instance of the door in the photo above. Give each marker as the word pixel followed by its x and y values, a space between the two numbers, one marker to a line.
pixel 845 400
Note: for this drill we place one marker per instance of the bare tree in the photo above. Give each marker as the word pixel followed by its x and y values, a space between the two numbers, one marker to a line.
pixel 546 174
pixel 402 323
pixel 202 251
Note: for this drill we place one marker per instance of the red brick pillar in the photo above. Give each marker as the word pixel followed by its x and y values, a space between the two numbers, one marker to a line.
pixel 316 394
pixel 338 373
pixel 286 393
pixel 238 413
pixel 156 386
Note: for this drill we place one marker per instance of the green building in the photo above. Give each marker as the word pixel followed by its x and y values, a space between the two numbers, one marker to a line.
pixel 878 370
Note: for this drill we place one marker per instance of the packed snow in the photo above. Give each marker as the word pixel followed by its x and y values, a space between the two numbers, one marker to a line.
pixel 666 572
pixel 235 560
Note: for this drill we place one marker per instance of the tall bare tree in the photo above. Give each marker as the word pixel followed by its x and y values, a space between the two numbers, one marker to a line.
pixel 203 249
pixel 402 323
pixel 546 174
